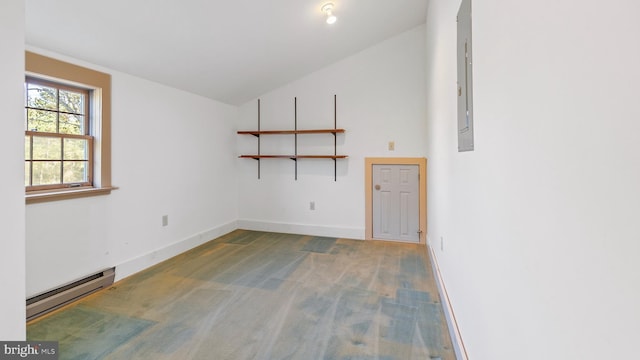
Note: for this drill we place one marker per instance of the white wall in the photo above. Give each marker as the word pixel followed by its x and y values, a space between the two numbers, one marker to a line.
pixel 380 95
pixel 12 254
pixel 540 225
pixel 172 154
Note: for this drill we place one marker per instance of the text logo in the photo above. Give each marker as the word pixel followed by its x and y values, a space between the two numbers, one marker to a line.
pixel 32 350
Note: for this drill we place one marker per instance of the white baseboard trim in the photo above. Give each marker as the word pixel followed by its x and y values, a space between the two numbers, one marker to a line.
pixel 452 324
pixel 303 229
pixel 132 266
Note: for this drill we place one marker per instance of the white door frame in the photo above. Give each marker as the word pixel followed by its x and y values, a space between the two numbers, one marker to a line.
pixel 368 190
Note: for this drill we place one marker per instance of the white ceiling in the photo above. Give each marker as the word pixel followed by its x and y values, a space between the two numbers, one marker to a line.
pixel 231 51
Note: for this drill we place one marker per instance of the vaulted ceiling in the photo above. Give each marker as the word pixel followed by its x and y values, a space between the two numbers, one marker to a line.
pixel 231 51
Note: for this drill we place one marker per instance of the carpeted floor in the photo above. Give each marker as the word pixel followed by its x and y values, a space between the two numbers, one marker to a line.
pixel 257 295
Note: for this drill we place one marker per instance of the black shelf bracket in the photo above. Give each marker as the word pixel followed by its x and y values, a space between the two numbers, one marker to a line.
pixel 258 136
pixel 295 136
pixel 335 137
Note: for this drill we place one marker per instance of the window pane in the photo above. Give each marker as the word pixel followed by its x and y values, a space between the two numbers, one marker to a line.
pixel 75 171
pixel 71 124
pixel 47 148
pixel 71 101
pixel 27 147
pixel 27 172
pixel 46 172
pixel 42 97
pixel 55 115
pixel 41 120
pixel 75 149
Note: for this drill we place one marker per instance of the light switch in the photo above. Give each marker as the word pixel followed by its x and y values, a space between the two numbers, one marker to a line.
pixel 392 145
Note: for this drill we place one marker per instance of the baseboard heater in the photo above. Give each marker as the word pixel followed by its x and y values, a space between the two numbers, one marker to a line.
pixel 56 298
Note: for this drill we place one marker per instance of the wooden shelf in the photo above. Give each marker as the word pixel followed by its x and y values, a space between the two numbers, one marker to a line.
pixel 290 132
pixel 295 132
pixel 293 157
pixel 322 157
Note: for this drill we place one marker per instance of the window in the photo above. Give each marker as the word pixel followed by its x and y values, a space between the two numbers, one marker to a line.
pixel 67 130
pixel 58 141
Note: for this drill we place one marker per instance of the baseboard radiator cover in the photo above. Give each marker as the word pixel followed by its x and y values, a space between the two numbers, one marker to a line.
pixel 63 295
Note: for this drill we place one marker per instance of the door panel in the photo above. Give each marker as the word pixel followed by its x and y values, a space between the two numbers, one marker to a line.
pixel 405 213
pixel 396 202
pixel 385 211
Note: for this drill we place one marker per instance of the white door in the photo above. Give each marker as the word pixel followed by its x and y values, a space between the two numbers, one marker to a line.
pixel 396 202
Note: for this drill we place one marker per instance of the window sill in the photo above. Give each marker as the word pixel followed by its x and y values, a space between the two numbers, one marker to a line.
pixel 47 196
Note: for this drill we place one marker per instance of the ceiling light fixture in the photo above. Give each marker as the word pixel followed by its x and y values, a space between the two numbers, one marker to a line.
pixel 328 10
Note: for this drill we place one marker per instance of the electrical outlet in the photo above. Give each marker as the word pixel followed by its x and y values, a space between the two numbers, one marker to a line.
pixel 392 145
pixel 165 220
pixel 441 243
pixel 312 205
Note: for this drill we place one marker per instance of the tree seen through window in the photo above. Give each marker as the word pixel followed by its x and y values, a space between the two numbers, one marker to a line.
pixel 58 144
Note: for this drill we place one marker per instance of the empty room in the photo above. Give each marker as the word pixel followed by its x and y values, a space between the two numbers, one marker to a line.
pixel 302 179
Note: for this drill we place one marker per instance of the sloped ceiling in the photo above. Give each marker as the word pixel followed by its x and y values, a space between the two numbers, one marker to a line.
pixel 231 51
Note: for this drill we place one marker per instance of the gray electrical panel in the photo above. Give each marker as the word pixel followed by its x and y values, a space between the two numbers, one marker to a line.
pixel 465 78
